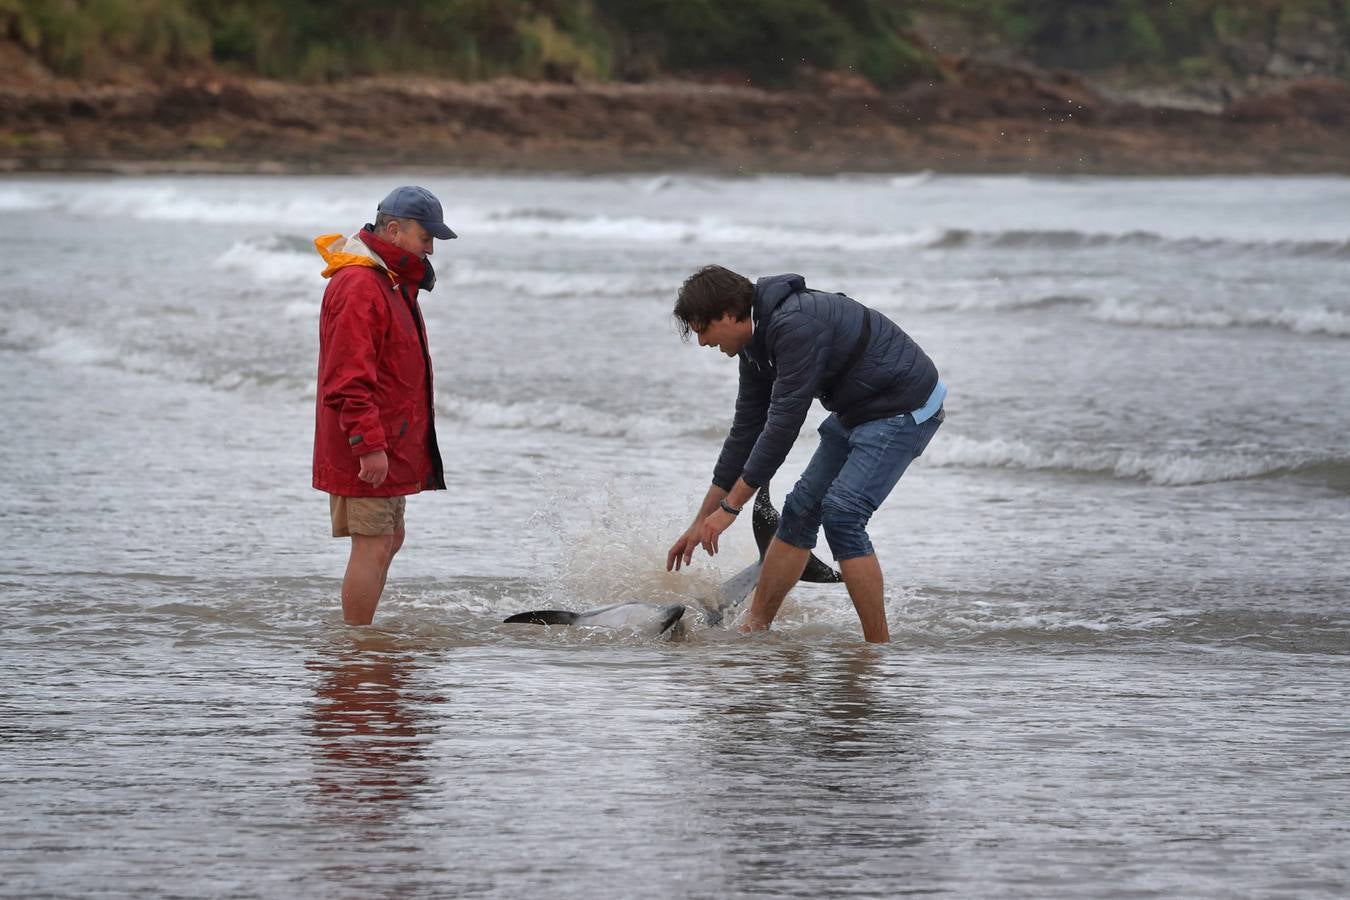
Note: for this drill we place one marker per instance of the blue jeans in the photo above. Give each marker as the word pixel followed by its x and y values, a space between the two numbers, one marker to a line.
pixel 851 473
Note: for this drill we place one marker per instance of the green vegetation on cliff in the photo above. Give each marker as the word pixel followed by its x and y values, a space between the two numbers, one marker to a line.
pixel 1221 38
pixel 768 41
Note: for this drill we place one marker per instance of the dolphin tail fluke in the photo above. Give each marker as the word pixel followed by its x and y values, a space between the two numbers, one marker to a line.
pixel 543 617
pixel 765 522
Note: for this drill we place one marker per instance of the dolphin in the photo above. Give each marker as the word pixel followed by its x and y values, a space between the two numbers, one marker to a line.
pixel 666 620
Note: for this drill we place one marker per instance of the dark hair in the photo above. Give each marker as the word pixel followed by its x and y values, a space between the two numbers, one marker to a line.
pixel 709 294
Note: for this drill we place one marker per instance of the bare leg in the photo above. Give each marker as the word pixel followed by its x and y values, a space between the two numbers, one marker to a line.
pixel 393 551
pixel 783 565
pixel 367 568
pixel 862 577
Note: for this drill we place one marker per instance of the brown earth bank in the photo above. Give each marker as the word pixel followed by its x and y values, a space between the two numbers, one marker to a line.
pixel 981 118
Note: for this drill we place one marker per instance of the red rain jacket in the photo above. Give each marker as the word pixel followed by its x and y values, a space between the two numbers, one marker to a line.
pixel 375 381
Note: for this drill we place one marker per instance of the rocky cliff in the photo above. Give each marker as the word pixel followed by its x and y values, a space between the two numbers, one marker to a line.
pixel 980 116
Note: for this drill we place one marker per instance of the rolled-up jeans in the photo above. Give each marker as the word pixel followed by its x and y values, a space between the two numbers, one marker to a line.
pixel 852 472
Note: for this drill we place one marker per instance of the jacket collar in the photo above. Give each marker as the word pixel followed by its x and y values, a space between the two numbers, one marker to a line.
pixel 407 268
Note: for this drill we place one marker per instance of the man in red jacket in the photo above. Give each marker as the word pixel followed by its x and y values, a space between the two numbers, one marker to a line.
pixel 374 432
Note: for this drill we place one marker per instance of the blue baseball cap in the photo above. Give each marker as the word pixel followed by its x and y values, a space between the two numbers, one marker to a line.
pixel 420 205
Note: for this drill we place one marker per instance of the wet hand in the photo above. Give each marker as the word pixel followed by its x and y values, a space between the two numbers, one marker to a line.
pixel 712 528
pixel 682 551
pixel 374 468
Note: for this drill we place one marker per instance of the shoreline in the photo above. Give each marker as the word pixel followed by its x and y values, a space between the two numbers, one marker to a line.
pixel 189 168
pixel 984 119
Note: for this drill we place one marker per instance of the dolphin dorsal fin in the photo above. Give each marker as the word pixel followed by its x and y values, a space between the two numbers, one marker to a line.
pixel 764 519
pixel 765 523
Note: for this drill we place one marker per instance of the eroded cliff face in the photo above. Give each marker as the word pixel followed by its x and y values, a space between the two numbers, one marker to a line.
pixel 1244 49
pixel 1303 46
pixel 979 117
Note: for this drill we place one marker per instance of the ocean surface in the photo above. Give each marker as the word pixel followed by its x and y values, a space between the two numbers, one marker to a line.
pixel 1116 582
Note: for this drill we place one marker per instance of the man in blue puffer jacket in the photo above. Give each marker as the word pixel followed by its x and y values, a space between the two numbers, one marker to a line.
pixel 885 398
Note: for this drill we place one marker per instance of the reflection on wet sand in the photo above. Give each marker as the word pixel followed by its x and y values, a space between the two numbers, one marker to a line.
pixel 368 744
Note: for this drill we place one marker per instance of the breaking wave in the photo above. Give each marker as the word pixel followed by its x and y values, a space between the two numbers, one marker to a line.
pixel 148 201
pixel 1160 468
pixel 289 260
pixel 546 222
pixel 938 621
pixel 222 203
pixel 1019 239
pixel 554 224
pixel 569 418
pixel 1311 320
pixel 550 284
pixel 913 180
pixel 273 260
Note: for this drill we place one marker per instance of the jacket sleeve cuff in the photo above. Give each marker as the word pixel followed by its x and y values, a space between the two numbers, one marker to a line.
pixel 722 481
pixel 367 442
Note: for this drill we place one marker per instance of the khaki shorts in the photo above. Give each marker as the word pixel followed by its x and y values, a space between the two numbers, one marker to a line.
pixel 366 515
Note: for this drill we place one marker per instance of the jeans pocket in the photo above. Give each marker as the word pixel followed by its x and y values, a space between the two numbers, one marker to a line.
pixel 926 432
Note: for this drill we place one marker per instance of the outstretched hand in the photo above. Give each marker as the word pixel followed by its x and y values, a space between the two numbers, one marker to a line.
pixel 707 527
pixel 682 551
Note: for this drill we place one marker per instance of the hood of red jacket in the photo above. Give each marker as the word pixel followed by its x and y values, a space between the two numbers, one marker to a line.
pixel 365 248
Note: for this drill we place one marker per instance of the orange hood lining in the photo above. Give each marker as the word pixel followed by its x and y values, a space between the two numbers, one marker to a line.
pixel 340 251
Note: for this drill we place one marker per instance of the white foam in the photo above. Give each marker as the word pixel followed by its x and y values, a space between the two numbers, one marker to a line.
pixel 1315 320
pixel 714 232
pixel 557 224
pixel 1170 469
pixel 917 179
pixel 69 348
pixel 171 204
pixel 614 547
pixel 918 616
pixel 549 284
pixel 22 198
pixel 268 263
pixel 553 224
pixel 1068 239
pixel 955 297
pixel 570 418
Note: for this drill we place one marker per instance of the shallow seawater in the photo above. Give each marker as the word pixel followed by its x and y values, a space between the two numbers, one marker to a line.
pixel 1116 581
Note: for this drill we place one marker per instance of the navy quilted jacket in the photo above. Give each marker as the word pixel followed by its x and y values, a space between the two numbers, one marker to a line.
pixel 803 342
